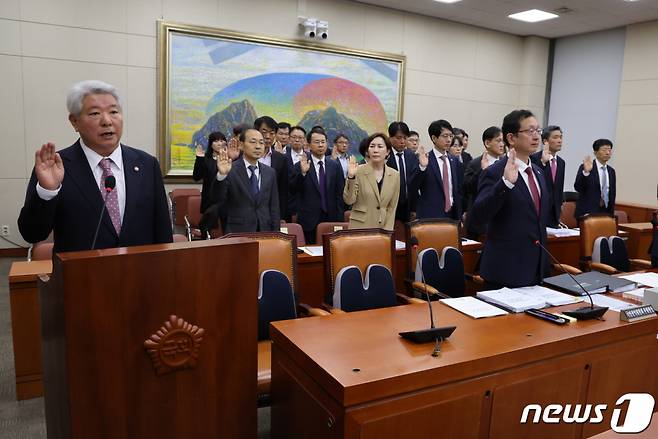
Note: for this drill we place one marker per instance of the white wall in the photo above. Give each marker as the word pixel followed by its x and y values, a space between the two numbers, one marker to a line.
pixel 584 94
pixel 468 75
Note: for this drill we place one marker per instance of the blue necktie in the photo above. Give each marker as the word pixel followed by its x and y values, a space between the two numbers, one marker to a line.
pixel 323 186
pixel 604 186
pixel 253 180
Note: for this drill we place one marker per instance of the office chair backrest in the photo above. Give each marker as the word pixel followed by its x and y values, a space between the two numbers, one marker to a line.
pixel 178 199
pixel 353 293
pixel 359 247
pixel 622 217
pixel 591 227
pixel 276 301
pixel 296 230
pixel 194 210
pixel 445 273
pixel 611 251
pixel 42 251
pixel 324 228
pixel 568 214
pixel 435 233
pixel 276 251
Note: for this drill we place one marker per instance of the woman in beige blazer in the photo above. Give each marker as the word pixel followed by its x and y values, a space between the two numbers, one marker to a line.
pixel 372 189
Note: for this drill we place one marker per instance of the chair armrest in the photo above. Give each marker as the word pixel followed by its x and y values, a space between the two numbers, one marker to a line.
pixel 605 268
pixel 475 278
pixel 336 311
pixel 311 311
pixel 640 263
pixel 566 268
pixel 424 288
pixel 406 299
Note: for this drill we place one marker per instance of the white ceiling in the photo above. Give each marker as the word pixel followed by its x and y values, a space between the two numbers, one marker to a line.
pixel 586 15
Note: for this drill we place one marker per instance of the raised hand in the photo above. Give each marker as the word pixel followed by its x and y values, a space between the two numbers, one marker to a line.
pixel 233 149
pixel 423 158
pixel 511 172
pixel 588 164
pixel 224 162
pixel 545 155
pixel 304 163
pixel 48 167
pixel 199 151
pixel 484 162
pixel 352 166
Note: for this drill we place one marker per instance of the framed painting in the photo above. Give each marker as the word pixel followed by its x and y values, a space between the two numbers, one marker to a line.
pixel 212 80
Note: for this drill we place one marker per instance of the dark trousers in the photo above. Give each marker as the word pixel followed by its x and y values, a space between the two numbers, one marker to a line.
pixel 309 235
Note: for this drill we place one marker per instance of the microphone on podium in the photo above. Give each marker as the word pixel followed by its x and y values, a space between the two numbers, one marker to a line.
pixel 109 183
pixel 586 312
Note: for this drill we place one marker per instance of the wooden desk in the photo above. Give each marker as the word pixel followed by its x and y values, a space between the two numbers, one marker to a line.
pixel 26 326
pixel 639 239
pixel 351 375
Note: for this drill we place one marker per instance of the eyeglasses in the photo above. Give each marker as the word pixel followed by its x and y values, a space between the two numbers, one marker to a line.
pixel 532 131
pixel 447 136
pixel 319 142
pixel 297 138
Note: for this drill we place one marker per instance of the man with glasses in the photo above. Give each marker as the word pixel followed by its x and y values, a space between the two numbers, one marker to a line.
pixel 406 163
pixel 318 183
pixel 553 168
pixel 282 136
pixel 339 151
pixel 437 180
pixel 596 182
pixel 268 127
pixel 513 201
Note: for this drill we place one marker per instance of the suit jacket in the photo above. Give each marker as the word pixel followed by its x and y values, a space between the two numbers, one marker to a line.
pixel 205 168
pixel 466 158
pixel 510 256
pixel 406 202
pixel 431 202
pixel 307 188
pixel 73 214
pixel 244 212
pixel 280 165
pixel 653 249
pixel 293 203
pixel 370 208
pixel 556 187
pixel 469 192
pixel 589 192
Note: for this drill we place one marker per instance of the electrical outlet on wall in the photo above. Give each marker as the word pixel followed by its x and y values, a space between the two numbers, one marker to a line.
pixel 4 231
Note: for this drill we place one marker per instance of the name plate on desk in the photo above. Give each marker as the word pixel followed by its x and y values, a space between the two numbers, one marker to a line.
pixel 637 313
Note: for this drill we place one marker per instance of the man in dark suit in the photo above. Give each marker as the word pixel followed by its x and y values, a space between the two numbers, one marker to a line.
pixel 513 201
pixel 406 163
pixel 494 147
pixel 247 188
pixel 268 127
pixel 67 188
pixel 318 182
pixel 553 169
pixel 465 157
pixel 294 152
pixel 438 177
pixel 596 182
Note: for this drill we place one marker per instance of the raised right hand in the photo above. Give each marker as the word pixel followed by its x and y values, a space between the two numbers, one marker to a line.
pixel 484 162
pixel 423 158
pixel 233 148
pixel 588 164
pixel 352 166
pixel 48 167
pixel 224 162
pixel 304 163
pixel 199 151
pixel 511 172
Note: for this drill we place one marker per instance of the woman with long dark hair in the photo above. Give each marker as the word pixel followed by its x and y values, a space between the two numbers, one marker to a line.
pixel 205 165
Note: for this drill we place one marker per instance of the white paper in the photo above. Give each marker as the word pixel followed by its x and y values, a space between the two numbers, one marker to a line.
pixel 551 297
pixel 466 241
pixel 562 232
pixel 312 250
pixel 637 294
pixel 648 279
pixel 473 307
pixel 510 299
pixel 399 245
pixel 613 304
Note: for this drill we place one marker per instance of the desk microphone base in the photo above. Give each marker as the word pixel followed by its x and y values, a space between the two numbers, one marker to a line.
pixel 587 312
pixel 428 335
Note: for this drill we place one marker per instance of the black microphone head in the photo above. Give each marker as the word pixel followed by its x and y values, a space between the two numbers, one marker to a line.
pixel 110 182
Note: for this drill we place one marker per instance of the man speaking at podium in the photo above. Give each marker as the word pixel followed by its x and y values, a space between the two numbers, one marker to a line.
pixel 68 189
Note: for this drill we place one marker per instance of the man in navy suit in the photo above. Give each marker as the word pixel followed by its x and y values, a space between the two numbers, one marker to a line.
pixel 513 200
pixel 596 182
pixel 553 168
pixel 247 188
pixel 66 191
pixel 406 163
pixel 438 180
pixel 318 182
pixel 270 157
pixel 294 152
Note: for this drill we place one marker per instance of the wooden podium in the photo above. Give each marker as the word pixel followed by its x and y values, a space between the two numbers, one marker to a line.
pixel 118 364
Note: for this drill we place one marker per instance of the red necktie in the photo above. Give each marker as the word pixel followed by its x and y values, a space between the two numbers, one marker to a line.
pixel 446 184
pixel 533 188
pixel 553 168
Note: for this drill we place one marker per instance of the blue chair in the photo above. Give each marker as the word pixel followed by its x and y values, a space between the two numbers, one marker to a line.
pixel 352 293
pixel 445 273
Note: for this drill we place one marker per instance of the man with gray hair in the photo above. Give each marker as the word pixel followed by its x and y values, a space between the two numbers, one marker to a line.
pixel 69 190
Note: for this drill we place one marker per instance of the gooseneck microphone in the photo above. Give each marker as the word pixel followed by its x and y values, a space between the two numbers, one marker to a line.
pixel 586 312
pixel 110 183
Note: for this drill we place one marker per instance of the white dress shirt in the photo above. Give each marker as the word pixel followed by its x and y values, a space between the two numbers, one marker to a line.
pixel 522 167
pixel 602 169
pixel 267 158
pixel 439 162
pixel 246 164
pixel 316 163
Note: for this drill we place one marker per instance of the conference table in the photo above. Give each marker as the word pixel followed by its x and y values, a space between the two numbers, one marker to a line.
pixel 351 375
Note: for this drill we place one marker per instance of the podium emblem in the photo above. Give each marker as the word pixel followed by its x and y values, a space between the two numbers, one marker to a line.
pixel 175 346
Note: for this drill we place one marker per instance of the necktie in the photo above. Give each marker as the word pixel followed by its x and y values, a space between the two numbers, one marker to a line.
pixel 111 198
pixel 446 185
pixel 403 177
pixel 553 168
pixel 253 180
pixel 604 186
pixel 322 183
pixel 533 189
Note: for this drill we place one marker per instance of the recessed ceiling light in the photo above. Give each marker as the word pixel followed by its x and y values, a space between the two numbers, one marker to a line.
pixel 447 1
pixel 533 16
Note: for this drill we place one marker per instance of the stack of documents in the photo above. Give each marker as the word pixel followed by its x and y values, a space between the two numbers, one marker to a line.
pixel 593 281
pixel 648 279
pixel 612 304
pixel 511 300
pixel 551 297
pixel 473 307
pixel 562 232
pixel 312 250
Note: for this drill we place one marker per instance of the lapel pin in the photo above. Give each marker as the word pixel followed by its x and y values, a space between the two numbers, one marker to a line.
pixel 136 168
